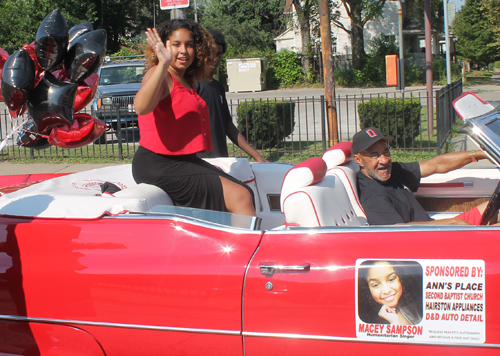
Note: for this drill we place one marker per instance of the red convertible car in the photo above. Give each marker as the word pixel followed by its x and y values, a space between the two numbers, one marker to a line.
pixel 129 273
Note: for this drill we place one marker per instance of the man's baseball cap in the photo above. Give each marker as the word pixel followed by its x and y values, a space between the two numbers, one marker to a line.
pixel 367 137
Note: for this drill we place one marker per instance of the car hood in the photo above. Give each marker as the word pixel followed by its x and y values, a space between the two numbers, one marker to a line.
pixel 118 89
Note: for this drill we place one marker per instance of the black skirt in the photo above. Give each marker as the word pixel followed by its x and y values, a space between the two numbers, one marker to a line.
pixel 187 179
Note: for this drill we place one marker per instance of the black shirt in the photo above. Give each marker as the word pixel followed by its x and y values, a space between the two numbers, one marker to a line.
pixel 215 96
pixel 393 201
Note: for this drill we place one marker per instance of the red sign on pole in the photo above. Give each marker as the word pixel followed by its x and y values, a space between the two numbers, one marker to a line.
pixel 173 4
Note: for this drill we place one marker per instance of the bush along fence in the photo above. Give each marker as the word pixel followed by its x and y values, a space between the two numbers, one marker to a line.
pixel 282 129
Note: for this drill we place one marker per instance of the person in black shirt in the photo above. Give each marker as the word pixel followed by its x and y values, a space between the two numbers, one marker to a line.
pixel 386 189
pixel 221 122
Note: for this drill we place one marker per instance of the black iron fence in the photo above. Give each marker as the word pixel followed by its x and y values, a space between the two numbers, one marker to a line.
pixel 445 112
pixel 302 123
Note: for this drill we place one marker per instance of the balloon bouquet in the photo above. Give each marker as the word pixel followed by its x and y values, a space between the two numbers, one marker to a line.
pixel 46 82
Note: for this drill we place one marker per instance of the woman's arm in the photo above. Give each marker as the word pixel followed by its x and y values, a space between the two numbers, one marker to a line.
pixel 157 82
pixel 235 135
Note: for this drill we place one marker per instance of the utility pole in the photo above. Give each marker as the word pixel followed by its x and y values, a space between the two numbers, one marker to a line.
pixel 428 67
pixel 178 14
pixel 401 48
pixel 447 41
pixel 328 74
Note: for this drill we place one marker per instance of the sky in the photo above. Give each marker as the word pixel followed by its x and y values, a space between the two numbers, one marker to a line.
pixel 459 3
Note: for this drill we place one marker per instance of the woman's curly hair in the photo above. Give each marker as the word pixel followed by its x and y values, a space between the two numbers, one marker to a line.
pixel 204 46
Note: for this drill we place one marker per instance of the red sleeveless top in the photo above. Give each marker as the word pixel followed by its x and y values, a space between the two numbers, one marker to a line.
pixel 178 125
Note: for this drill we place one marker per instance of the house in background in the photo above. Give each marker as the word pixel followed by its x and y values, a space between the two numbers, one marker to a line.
pixel 387 24
pixel 290 39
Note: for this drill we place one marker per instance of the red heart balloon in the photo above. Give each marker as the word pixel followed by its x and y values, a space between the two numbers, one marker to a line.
pixel 38 68
pixel 85 91
pixel 16 113
pixel 85 129
pixel 3 58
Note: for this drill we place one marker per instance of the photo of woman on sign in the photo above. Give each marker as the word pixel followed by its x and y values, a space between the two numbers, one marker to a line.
pixel 390 292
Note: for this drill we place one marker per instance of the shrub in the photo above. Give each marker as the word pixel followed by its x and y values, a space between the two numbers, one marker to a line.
pixel 414 75
pixel 344 77
pixel 439 70
pixel 396 117
pixel 287 68
pixel 266 123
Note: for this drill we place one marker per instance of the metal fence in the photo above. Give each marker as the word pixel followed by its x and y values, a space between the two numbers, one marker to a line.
pixel 308 136
pixel 445 112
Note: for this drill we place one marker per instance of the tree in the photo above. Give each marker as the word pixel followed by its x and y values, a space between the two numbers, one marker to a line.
pixel 304 9
pixel 476 37
pixel 123 19
pixel 359 12
pixel 491 10
pixel 247 25
pixel 20 19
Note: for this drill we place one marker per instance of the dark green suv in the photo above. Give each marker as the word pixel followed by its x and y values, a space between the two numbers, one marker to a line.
pixel 113 102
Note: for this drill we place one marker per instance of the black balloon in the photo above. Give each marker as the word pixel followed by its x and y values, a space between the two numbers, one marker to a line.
pixel 86 55
pixel 18 79
pixel 29 137
pixel 52 40
pixel 78 30
pixel 50 104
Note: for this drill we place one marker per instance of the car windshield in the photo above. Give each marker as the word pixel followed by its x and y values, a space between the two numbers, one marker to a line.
pixel 121 75
pixel 484 130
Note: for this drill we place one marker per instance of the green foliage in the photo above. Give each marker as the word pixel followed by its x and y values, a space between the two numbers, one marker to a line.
pixel 372 71
pixel 265 124
pixel 245 24
pixel 20 19
pixel 399 118
pixel 414 75
pixel 475 35
pixel 130 49
pixel 374 65
pixel 344 77
pixel 287 68
pixel 439 70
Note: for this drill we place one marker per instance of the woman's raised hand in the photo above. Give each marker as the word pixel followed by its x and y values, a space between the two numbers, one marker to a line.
pixel 164 53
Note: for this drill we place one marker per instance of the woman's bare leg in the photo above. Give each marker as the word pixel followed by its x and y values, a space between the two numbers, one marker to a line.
pixel 238 199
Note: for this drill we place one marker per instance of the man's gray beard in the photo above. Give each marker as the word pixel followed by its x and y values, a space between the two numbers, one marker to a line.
pixel 376 177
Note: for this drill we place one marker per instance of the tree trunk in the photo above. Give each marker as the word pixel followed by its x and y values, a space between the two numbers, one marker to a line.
pixel 303 11
pixel 357 37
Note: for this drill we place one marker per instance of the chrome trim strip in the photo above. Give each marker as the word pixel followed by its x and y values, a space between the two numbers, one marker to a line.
pixel 311 231
pixel 353 339
pixel 243 295
pixel 177 218
pixel 119 325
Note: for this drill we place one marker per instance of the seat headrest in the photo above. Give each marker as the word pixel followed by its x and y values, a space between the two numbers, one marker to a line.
pixel 306 173
pixel 338 155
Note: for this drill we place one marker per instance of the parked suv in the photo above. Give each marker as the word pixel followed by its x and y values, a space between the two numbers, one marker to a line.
pixel 113 102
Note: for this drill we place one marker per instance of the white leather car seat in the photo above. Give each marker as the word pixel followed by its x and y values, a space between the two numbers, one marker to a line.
pixel 310 197
pixel 339 162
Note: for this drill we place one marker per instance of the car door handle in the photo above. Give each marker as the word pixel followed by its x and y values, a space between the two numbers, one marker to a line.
pixel 271 268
